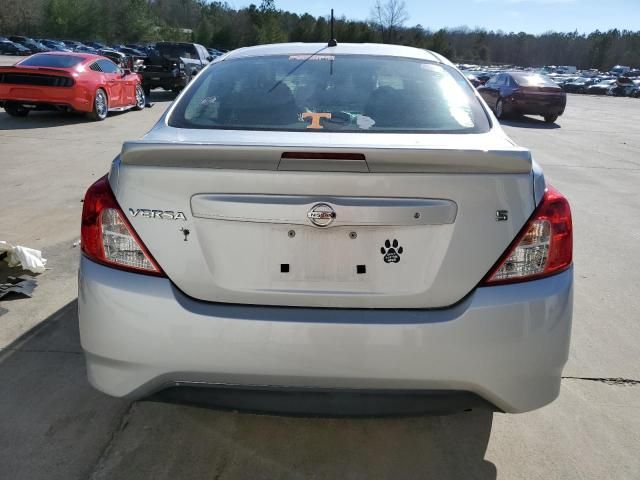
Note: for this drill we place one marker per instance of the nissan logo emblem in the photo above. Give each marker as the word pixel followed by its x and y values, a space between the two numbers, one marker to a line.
pixel 321 215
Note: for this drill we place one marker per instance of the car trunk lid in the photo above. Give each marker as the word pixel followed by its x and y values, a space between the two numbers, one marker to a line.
pixel 541 95
pixel 411 226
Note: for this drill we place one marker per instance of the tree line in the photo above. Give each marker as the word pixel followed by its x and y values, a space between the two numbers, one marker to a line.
pixel 217 24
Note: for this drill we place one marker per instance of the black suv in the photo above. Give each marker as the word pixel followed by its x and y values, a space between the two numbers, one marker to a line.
pixel 172 65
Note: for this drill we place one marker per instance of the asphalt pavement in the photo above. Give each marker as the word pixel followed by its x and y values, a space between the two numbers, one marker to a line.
pixel 55 426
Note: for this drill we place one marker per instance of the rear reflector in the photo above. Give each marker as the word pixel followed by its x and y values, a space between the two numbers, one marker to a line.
pixel 542 248
pixel 107 236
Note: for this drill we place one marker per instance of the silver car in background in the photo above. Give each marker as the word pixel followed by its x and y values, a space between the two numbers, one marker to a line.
pixel 330 221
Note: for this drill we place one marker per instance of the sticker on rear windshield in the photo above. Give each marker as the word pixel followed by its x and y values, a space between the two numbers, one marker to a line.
pixel 312 57
pixel 315 118
pixel 365 123
pixel 391 251
pixel 206 101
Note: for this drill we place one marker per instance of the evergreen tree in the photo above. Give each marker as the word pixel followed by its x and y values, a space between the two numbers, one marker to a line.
pixel 217 24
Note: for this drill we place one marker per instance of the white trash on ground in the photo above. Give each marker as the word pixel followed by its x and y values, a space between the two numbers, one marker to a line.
pixel 28 258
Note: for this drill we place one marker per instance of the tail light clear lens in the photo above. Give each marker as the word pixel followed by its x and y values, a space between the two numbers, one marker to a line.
pixel 543 247
pixel 108 238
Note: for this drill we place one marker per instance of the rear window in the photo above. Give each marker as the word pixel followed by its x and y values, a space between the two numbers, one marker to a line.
pixel 175 51
pixel 533 80
pixel 59 61
pixel 348 93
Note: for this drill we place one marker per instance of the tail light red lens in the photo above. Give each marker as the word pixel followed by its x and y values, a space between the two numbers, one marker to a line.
pixel 107 236
pixel 542 248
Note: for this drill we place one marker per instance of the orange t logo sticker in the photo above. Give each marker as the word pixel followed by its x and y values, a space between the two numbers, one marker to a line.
pixel 315 118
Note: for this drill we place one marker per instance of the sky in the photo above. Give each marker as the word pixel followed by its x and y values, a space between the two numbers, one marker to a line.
pixel 531 16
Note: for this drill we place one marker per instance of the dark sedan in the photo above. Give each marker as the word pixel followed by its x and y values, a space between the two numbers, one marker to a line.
pixel 72 44
pixel 524 93
pixel 29 43
pixel 580 85
pixel 7 47
pixel 624 87
pixel 96 45
pixel 85 49
pixel 55 46
pixel 601 88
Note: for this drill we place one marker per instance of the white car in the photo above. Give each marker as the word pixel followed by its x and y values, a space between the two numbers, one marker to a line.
pixel 345 226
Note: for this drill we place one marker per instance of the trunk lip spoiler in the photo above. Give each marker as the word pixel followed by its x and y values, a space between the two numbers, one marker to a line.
pixel 380 159
pixel 36 70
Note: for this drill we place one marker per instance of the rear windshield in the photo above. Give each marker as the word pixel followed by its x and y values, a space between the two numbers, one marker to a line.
pixel 348 93
pixel 175 51
pixel 533 80
pixel 59 61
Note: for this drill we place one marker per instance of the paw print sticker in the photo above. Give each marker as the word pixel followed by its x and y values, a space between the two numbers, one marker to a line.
pixel 391 251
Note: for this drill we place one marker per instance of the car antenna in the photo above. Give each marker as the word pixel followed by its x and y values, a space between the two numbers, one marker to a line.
pixel 332 42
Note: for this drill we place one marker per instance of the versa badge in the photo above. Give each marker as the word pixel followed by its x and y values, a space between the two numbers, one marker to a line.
pixel 157 214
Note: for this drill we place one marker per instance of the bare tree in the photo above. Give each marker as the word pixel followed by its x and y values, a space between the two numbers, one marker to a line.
pixel 389 18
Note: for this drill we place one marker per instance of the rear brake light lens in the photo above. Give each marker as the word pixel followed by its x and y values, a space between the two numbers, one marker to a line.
pixel 107 236
pixel 543 247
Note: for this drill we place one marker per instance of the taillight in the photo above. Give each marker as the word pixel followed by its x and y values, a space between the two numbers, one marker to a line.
pixel 543 247
pixel 108 238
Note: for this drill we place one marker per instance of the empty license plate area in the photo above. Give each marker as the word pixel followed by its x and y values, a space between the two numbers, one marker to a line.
pixel 323 245
pixel 245 256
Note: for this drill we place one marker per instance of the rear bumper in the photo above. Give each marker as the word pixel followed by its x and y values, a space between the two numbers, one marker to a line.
pixel 525 109
pixel 324 401
pixel 541 111
pixel 163 80
pixel 529 107
pixel 507 344
pixel 74 98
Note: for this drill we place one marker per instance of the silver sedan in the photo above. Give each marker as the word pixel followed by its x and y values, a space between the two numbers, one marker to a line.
pixel 328 222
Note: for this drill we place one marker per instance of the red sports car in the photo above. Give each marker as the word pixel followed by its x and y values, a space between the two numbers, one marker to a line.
pixel 77 82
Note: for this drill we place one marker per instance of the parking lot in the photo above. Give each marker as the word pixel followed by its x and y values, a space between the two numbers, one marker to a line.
pixel 55 426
